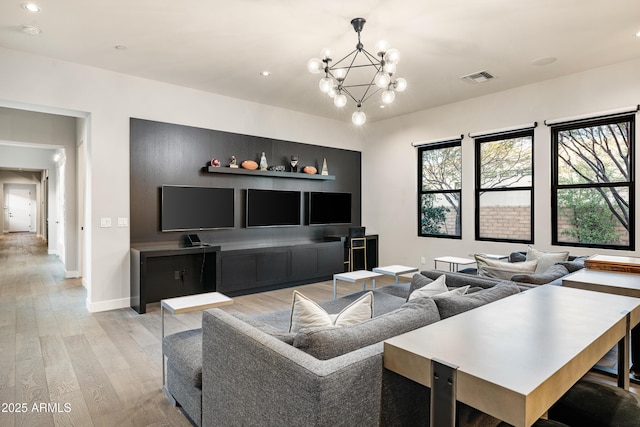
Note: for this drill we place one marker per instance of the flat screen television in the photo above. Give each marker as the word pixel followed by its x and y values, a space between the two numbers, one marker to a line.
pixel 272 208
pixel 196 208
pixel 328 208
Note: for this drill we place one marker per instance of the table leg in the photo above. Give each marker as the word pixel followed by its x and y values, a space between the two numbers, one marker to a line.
pixel 364 285
pixel 334 288
pixel 623 357
pixel 443 394
pixel 373 284
pixel 161 344
pixel 635 350
pixel 397 278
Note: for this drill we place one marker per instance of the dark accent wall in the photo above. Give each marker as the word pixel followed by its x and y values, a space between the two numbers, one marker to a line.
pixel 169 154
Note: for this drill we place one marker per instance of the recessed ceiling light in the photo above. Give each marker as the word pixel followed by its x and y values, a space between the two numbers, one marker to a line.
pixel 33 31
pixel 265 73
pixel 544 61
pixel 120 47
pixel 637 34
pixel 31 7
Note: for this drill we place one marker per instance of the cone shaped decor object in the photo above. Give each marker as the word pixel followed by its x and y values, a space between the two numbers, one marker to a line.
pixel 325 170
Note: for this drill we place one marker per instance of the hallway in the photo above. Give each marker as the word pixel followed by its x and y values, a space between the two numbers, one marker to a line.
pixel 60 364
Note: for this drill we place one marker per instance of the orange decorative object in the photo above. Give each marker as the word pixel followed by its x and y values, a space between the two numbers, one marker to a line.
pixel 249 164
pixel 310 170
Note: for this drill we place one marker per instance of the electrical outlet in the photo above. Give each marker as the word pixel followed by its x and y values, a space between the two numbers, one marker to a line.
pixel 176 275
pixel 423 260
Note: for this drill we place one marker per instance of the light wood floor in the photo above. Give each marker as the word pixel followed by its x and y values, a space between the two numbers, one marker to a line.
pixel 92 369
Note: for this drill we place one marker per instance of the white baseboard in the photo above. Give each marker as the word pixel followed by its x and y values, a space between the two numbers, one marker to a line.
pixel 71 274
pixel 113 304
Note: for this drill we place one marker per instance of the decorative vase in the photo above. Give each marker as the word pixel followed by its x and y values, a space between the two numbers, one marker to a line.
pixel 263 162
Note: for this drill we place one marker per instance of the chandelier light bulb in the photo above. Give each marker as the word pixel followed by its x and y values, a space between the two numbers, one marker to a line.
pixel 326 53
pixel 340 73
pixel 315 66
pixel 382 46
pixel 388 96
pixel 340 100
pixel 389 68
pixel 382 79
pixel 326 84
pixel 359 118
pixel 332 92
pixel 392 56
pixel 400 84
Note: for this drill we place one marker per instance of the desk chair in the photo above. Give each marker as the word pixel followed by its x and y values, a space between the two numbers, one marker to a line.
pixel 357 242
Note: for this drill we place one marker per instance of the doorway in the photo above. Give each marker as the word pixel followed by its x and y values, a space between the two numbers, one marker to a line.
pixel 21 207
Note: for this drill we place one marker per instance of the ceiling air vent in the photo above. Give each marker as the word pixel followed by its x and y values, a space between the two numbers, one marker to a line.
pixel 479 77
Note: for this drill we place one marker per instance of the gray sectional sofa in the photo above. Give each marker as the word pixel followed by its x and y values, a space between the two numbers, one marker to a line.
pixel 241 371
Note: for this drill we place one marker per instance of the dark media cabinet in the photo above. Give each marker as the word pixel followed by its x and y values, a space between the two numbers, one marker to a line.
pixel 159 272
pixel 170 271
pixel 245 270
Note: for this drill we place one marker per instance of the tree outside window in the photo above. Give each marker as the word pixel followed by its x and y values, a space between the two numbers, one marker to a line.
pixel 593 183
pixel 504 187
pixel 440 180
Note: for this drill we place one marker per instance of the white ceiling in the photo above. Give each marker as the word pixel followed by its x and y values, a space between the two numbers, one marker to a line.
pixel 222 47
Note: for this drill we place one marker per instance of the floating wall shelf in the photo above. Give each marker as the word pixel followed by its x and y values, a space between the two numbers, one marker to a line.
pixel 273 174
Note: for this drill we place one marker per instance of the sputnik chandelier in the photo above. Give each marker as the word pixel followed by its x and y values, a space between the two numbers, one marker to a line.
pixel 369 75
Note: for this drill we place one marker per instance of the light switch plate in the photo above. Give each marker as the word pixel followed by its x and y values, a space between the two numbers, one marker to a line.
pixel 123 222
pixel 105 222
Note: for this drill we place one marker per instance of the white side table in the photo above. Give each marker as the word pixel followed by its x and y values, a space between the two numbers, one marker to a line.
pixel 184 305
pixel 355 276
pixel 395 270
pixel 454 262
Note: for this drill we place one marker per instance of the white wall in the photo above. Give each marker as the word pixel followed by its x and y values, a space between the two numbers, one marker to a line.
pixel 108 100
pixel 391 189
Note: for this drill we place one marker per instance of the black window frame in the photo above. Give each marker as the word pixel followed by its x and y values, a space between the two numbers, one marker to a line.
pixel 529 132
pixel 421 192
pixel 630 185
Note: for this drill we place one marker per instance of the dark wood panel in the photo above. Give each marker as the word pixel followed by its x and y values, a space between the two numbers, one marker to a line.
pixel 238 272
pixel 304 262
pixel 272 267
pixel 162 153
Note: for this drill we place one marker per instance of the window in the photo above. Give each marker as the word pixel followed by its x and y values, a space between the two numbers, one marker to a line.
pixel 593 183
pixel 440 180
pixel 504 187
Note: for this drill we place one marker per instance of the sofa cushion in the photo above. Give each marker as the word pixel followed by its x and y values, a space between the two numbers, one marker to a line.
pixel 488 267
pixel 280 334
pixel 326 343
pixel 450 306
pixel 552 273
pixel 429 287
pixel 545 259
pixel 184 350
pixel 418 281
pixel 575 265
pixel 306 314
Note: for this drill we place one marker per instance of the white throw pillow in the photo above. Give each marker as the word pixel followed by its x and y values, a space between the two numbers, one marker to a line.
pixel 546 259
pixel 306 314
pixel 488 267
pixel 436 287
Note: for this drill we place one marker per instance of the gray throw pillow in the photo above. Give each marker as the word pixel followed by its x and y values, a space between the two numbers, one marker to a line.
pixel 517 257
pixel 554 272
pixel 459 304
pixel 326 343
pixel 572 266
